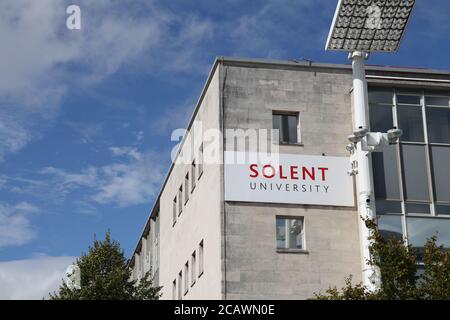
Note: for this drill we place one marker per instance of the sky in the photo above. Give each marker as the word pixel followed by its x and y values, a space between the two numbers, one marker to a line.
pixel 86 115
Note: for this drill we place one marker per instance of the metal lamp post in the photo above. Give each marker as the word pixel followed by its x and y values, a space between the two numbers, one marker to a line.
pixel 361 27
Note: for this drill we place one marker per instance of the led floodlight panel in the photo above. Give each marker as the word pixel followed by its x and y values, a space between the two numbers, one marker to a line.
pixel 369 25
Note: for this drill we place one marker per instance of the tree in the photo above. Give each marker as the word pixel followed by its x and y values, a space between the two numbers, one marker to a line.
pixel 106 276
pixel 398 269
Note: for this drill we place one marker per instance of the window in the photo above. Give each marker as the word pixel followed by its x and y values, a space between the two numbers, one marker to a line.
pixel 193 264
pixel 386 179
pixel 289 233
pixel 186 188
pixel 440 160
pixel 412 179
pixel 180 201
pixel 390 226
pixel 193 175
pixel 200 258
pixel 186 277
pixel 415 172
pixel 174 289
pixel 411 122
pixel 175 208
pixel 287 126
pixel 421 229
pixel 180 281
pixel 200 162
pixel 438 124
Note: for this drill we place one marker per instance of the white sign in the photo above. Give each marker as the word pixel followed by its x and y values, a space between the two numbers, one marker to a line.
pixel 297 179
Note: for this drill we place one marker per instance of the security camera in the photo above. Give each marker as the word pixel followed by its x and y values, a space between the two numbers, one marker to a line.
pixel 393 135
pixel 350 148
pixel 360 132
pixel 353 139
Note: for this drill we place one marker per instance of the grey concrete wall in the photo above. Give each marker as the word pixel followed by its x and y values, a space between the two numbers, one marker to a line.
pixel 254 270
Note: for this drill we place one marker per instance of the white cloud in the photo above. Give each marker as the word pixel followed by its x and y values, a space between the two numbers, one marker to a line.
pixel 126 151
pixel 32 278
pixel 15 226
pixel 43 60
pixel 132 179
pixel 130 183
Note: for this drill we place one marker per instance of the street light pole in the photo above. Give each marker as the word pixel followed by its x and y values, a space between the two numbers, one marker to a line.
pixel 364 178
pixel 360 27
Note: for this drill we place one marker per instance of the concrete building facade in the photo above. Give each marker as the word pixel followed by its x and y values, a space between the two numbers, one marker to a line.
pixel 199 244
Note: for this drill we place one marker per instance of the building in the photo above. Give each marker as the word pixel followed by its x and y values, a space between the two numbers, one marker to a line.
pixel 294 230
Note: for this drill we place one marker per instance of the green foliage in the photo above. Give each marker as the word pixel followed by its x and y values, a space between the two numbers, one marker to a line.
pixel 398 269
pixel 105 276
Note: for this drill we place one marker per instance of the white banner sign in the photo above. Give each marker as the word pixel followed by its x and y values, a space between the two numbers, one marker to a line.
pixel 297 179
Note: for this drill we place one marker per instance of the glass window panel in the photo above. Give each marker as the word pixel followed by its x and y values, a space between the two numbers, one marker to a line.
pixel 385 173
pixel 281 233
pixel 438 125
pixel 417 208
pixel 381 118
pixel 408 99
pixel 384 206
pixel 289 233
pixel 380 96
pixel 440 159
pixel 443 209
pixel 390 226
pixel 415 172
pixel 437 101
pixel 421 229
pixel 410 121
pixel 292 128
pixel 276 121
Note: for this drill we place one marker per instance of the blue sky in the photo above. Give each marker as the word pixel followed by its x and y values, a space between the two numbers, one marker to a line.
pixel 86 115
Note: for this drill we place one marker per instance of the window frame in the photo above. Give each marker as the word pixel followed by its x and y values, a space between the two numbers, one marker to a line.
pixel 193 175
pixel 186 188
pixel 193 265
pixel 201 258
pixel 281 133
pixel 433 203
pixel 186 278
pixel 175 210
pixel 303 249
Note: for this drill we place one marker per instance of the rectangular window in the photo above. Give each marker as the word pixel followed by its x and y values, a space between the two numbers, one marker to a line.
pixel 386 174
pixel 200 161
pixel 381 96
pixel 193 264
pixel 290 233
pixel 175 210
pixel 287 126
pixel 415 177
pixel 180 200
pixel 410 121
pixel 186 277
pixel 200 258
pixel 174 289
pixel 421 229
pixel 180 285
pixel 416 202
pixel 437 101
pixel 390 226
pixel 438 124
pixel 440 159
pixel 193 175
pixel 406 99
pixel 186 188
pixel 381 118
